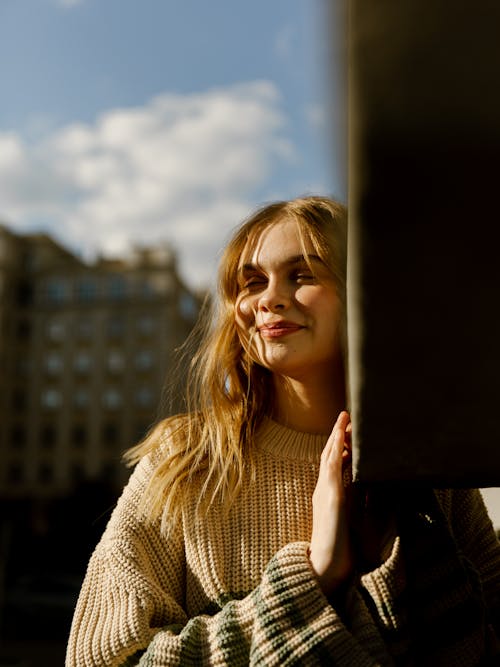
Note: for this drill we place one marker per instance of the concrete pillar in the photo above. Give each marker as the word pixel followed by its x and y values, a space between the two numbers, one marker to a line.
pixel 424 261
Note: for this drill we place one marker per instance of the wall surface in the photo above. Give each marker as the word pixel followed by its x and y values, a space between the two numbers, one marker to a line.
pixel 424 266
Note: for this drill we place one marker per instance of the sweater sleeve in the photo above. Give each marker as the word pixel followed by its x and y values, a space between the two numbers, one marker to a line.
pixel 131 607
pixel 479 542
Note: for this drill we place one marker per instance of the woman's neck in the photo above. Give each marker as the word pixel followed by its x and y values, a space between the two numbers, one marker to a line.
pixel 309 405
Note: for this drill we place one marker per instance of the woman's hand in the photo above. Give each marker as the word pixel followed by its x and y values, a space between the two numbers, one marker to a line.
pixel 330 552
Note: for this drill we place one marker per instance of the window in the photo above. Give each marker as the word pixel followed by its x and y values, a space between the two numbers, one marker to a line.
pixel 29 259
pixel 145 288
pixel 82 362
pixel 51 399
pixel 187 306
pixel 78 435
pixel 15 473
pixel 56 291
pixel 53 363
pixel 48 436
pixel 23 329
pixel 86 289
pixel 116 326
pixel 145 325
pixel 22 366
pixel 24 293
pixel 110 434
pixel 116 362
pixel 45 473
pixel 144 360
pixel 144 397
pixel 56 330
pixel 112 399
pixel 84 329
pixel 19 402
pixel 117 288
pixel 18 436
pixel 81 398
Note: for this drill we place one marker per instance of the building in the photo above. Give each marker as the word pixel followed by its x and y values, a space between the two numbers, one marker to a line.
pixel 85 350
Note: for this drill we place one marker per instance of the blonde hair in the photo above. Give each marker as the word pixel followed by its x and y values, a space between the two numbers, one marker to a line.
pixel 228 394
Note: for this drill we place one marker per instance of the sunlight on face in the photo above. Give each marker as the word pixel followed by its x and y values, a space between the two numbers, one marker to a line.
pixel 287 310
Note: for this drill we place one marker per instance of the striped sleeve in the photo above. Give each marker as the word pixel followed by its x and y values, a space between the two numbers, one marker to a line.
pixel 475 533
pixel 285 621
pixel 131 611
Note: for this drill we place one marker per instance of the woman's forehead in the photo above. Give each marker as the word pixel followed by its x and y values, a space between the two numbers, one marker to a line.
pixel 284 237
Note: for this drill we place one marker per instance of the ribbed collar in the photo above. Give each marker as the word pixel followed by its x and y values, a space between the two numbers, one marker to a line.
pixel 285 443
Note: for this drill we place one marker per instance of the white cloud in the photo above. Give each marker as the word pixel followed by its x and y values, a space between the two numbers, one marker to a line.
pixel 181 168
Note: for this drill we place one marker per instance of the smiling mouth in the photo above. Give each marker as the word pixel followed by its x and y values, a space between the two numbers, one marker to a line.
pixel 279 329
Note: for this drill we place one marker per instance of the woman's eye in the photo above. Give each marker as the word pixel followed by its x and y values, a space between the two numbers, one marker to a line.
pixel 304 276
pixel 254 283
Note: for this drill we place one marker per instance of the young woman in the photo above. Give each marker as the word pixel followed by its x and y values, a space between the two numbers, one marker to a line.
pixel 238 540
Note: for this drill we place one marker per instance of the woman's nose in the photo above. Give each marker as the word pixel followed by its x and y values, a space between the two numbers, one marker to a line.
pixel 275 298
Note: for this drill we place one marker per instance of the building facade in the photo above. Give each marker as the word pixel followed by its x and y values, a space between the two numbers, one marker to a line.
pixel 85 351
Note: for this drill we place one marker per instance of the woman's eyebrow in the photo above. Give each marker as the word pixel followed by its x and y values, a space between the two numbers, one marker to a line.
pixel 290 261
pixel 248 267
pixel 304 259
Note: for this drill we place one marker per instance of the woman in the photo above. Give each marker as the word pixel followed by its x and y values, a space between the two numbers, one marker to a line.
pixel 237 540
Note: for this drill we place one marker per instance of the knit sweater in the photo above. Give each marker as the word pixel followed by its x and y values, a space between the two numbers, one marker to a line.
pixel 238 589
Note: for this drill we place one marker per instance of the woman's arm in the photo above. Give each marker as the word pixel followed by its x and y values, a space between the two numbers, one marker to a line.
pixel 285 620
pixel 476 536
pixel 131 607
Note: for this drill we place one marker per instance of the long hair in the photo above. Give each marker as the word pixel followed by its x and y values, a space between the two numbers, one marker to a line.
pixel 227 393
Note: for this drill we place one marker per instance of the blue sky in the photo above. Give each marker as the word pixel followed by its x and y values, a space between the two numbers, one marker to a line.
pixel 139 121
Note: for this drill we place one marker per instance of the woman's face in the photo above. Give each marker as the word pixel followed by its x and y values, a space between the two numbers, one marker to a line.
pixel 287 309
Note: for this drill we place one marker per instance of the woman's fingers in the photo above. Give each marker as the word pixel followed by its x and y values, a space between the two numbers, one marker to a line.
pixel 330 550
pixel 337 450
pixel 338 432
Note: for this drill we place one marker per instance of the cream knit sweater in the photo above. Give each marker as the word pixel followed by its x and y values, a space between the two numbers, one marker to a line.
pixel 239 589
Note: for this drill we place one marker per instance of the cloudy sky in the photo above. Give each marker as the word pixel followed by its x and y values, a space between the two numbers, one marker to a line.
pixel 139 121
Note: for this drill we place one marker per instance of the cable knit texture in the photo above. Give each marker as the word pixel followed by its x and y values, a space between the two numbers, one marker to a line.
pixel 238 589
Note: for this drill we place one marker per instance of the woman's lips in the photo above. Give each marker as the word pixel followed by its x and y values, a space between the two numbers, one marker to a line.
pixel 279 329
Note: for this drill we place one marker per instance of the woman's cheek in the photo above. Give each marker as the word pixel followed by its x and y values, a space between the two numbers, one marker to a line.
pixel 244 311
pixel 244 317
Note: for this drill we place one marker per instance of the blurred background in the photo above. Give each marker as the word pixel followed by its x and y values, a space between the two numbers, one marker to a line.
pixel 134 135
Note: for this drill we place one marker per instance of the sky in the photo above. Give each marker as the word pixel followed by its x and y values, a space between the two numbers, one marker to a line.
pixel 129 122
